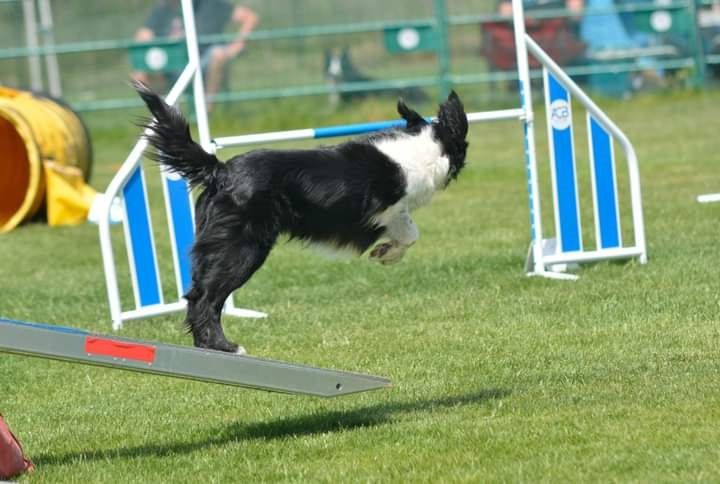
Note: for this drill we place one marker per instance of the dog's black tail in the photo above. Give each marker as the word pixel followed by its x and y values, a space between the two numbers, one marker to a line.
pixel 169 135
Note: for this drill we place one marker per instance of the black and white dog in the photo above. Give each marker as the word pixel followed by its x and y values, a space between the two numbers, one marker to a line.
pixel 349 196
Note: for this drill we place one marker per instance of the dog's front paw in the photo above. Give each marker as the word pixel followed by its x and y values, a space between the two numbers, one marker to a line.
pixel 388 253
pixel 380 250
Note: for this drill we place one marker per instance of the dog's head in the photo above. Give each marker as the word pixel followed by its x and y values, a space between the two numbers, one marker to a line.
pixel 451 128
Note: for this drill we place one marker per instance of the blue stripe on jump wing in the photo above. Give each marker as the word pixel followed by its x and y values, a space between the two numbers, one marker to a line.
pixel 353 129
pixel 183 230
pixel 605 196
pixel 138 220
pixel 564 158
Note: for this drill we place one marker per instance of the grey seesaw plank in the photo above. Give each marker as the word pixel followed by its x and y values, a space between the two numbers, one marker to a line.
pixel 70 344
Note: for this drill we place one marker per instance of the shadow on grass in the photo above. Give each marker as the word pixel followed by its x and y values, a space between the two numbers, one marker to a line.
pixel 317 423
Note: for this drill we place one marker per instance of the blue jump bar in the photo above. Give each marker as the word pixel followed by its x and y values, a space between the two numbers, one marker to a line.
pixel 310 133
pixel 360 128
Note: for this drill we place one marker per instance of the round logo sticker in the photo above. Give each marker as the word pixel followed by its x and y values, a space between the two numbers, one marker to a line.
pixel 661 20
pixel 560 114
pixel 408 38
pixel 156 58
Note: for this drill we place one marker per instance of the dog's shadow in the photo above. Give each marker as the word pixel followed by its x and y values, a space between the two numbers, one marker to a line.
pixel 317 423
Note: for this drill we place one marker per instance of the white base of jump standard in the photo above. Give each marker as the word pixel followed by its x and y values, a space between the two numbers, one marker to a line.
pixel 77 346
pixel 709 198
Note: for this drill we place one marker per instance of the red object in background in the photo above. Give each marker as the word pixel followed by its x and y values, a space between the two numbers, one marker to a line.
pixel 554 35
pixel 12 460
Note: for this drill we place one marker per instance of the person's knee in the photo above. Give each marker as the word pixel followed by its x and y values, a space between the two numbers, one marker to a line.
pixel 140 76
pixel 218 57
pixel 144 34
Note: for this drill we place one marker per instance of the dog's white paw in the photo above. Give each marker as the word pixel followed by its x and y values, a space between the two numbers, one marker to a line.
pixel 241 351
pixel 388 253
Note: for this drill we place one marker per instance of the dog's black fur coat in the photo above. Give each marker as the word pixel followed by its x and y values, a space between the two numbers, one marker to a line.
pixel 330 195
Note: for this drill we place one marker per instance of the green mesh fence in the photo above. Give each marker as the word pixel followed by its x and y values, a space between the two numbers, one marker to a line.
pixel 287 54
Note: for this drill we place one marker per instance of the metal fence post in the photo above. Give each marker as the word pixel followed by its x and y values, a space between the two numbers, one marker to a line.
pixel 31 40
pixel 698 47
pixel 443 49
pixel 48 36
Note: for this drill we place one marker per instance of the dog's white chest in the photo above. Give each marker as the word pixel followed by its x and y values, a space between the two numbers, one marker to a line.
pixel 424 181
pixel 420 157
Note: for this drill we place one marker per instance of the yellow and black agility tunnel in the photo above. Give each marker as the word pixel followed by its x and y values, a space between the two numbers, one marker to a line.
pixel 45 153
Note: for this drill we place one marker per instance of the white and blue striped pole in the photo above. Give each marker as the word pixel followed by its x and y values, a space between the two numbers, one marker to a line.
pixel 523 68
pixel 348 129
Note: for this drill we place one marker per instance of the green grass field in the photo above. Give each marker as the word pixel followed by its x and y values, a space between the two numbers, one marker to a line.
pixel 497 377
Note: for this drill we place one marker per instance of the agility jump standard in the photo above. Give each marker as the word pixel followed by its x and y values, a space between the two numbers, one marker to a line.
pixel 77 346
pixel 545 256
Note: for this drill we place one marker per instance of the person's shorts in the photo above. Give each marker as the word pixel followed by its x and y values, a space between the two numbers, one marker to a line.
pixel 207 56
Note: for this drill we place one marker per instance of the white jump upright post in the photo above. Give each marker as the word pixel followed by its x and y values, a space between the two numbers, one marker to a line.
pixel 129 185
pixel 535 257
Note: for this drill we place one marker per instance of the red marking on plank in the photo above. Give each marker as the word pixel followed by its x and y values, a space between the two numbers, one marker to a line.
pixel 119 349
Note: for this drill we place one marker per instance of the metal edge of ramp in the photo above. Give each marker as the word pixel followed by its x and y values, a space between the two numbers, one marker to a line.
pixel 74 345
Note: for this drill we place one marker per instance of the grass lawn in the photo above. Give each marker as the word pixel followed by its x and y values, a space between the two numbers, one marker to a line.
pixel 497 377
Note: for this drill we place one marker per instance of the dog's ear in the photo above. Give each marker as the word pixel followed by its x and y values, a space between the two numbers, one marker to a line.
pixel 452 116
pixel 414 120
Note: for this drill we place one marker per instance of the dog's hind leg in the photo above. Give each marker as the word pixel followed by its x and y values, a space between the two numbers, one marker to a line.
pixel 216 275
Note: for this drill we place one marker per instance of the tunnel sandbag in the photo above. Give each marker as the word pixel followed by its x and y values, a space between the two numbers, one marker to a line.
pixel 35 130
pixel 68 198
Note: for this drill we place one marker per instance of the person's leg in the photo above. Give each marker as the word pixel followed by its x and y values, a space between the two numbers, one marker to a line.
pixel 143 34
pixel 213 63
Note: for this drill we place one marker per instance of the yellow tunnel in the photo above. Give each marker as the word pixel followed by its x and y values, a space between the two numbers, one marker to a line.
pixel 39 135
